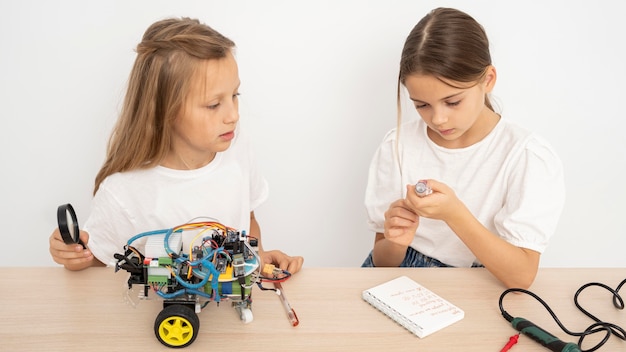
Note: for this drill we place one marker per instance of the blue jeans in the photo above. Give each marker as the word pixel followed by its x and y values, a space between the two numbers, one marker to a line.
pixel 413 259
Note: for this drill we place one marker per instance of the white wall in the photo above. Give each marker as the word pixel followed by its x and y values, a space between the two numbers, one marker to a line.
pixel 318 84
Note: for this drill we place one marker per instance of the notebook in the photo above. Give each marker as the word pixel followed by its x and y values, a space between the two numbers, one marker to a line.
pixel 413 306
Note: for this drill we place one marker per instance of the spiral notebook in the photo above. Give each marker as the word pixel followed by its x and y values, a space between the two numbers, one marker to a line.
pixel 413 306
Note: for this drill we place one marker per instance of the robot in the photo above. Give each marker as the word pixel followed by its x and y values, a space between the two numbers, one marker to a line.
pixel 219 264
pixel 222 266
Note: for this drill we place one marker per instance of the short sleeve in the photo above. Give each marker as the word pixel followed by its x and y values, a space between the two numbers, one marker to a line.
pixel 104 234
pixel 536 195
pixel 384 183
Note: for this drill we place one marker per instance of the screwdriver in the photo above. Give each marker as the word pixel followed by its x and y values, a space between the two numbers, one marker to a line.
pixel 291 314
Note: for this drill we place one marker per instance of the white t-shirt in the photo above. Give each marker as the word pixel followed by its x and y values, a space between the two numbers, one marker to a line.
pixel 128 203
pixel 511 181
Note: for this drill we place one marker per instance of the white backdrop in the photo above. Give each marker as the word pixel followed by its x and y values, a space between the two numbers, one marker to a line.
pixel 318 94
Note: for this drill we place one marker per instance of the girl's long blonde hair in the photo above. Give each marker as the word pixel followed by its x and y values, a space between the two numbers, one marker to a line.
pixel 167 57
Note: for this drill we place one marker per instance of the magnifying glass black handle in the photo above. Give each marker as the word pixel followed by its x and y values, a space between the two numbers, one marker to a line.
pixel 69 235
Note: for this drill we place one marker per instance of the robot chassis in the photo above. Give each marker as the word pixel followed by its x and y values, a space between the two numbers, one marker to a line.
pixel 222 267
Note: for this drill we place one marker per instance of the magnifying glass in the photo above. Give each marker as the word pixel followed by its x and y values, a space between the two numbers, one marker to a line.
pixel 68 225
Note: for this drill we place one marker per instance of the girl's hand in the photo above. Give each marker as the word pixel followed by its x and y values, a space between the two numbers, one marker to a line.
pixel 72 256
pixel 442 204
pixel 401 222
pixel 282 260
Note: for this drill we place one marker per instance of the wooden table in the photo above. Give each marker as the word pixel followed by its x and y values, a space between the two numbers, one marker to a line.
pixel 52 309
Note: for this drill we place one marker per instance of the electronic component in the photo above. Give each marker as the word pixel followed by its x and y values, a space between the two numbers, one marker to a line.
pixel 270 270
pixel 154 245
pixel 422 189
pixel 238 265
pixel 254 243
pixel 220 265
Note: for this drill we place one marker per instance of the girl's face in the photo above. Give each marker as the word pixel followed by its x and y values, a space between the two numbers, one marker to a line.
pixel 206 124
pixel 456 117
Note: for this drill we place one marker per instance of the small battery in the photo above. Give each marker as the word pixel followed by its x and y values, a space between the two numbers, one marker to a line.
pixel 422 189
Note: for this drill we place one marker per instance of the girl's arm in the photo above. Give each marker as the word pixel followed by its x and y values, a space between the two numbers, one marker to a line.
pixel 386 252
pixel 514 266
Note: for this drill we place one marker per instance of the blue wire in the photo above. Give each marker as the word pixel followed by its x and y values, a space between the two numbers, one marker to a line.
pixel 143 234
pixel 151 233
pixel 170 295
pixel 214 282
pixel 181 292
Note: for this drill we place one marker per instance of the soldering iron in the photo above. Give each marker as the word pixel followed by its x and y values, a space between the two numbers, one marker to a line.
pixel 538 334
pixel 552 342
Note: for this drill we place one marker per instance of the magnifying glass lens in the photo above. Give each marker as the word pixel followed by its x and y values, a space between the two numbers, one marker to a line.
pixel 68 224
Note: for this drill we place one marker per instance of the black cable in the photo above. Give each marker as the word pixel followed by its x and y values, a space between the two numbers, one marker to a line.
pixel 262 288
pixel 618 303
pixel 598 326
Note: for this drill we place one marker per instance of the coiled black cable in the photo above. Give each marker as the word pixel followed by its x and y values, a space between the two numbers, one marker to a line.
pixel 597 326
